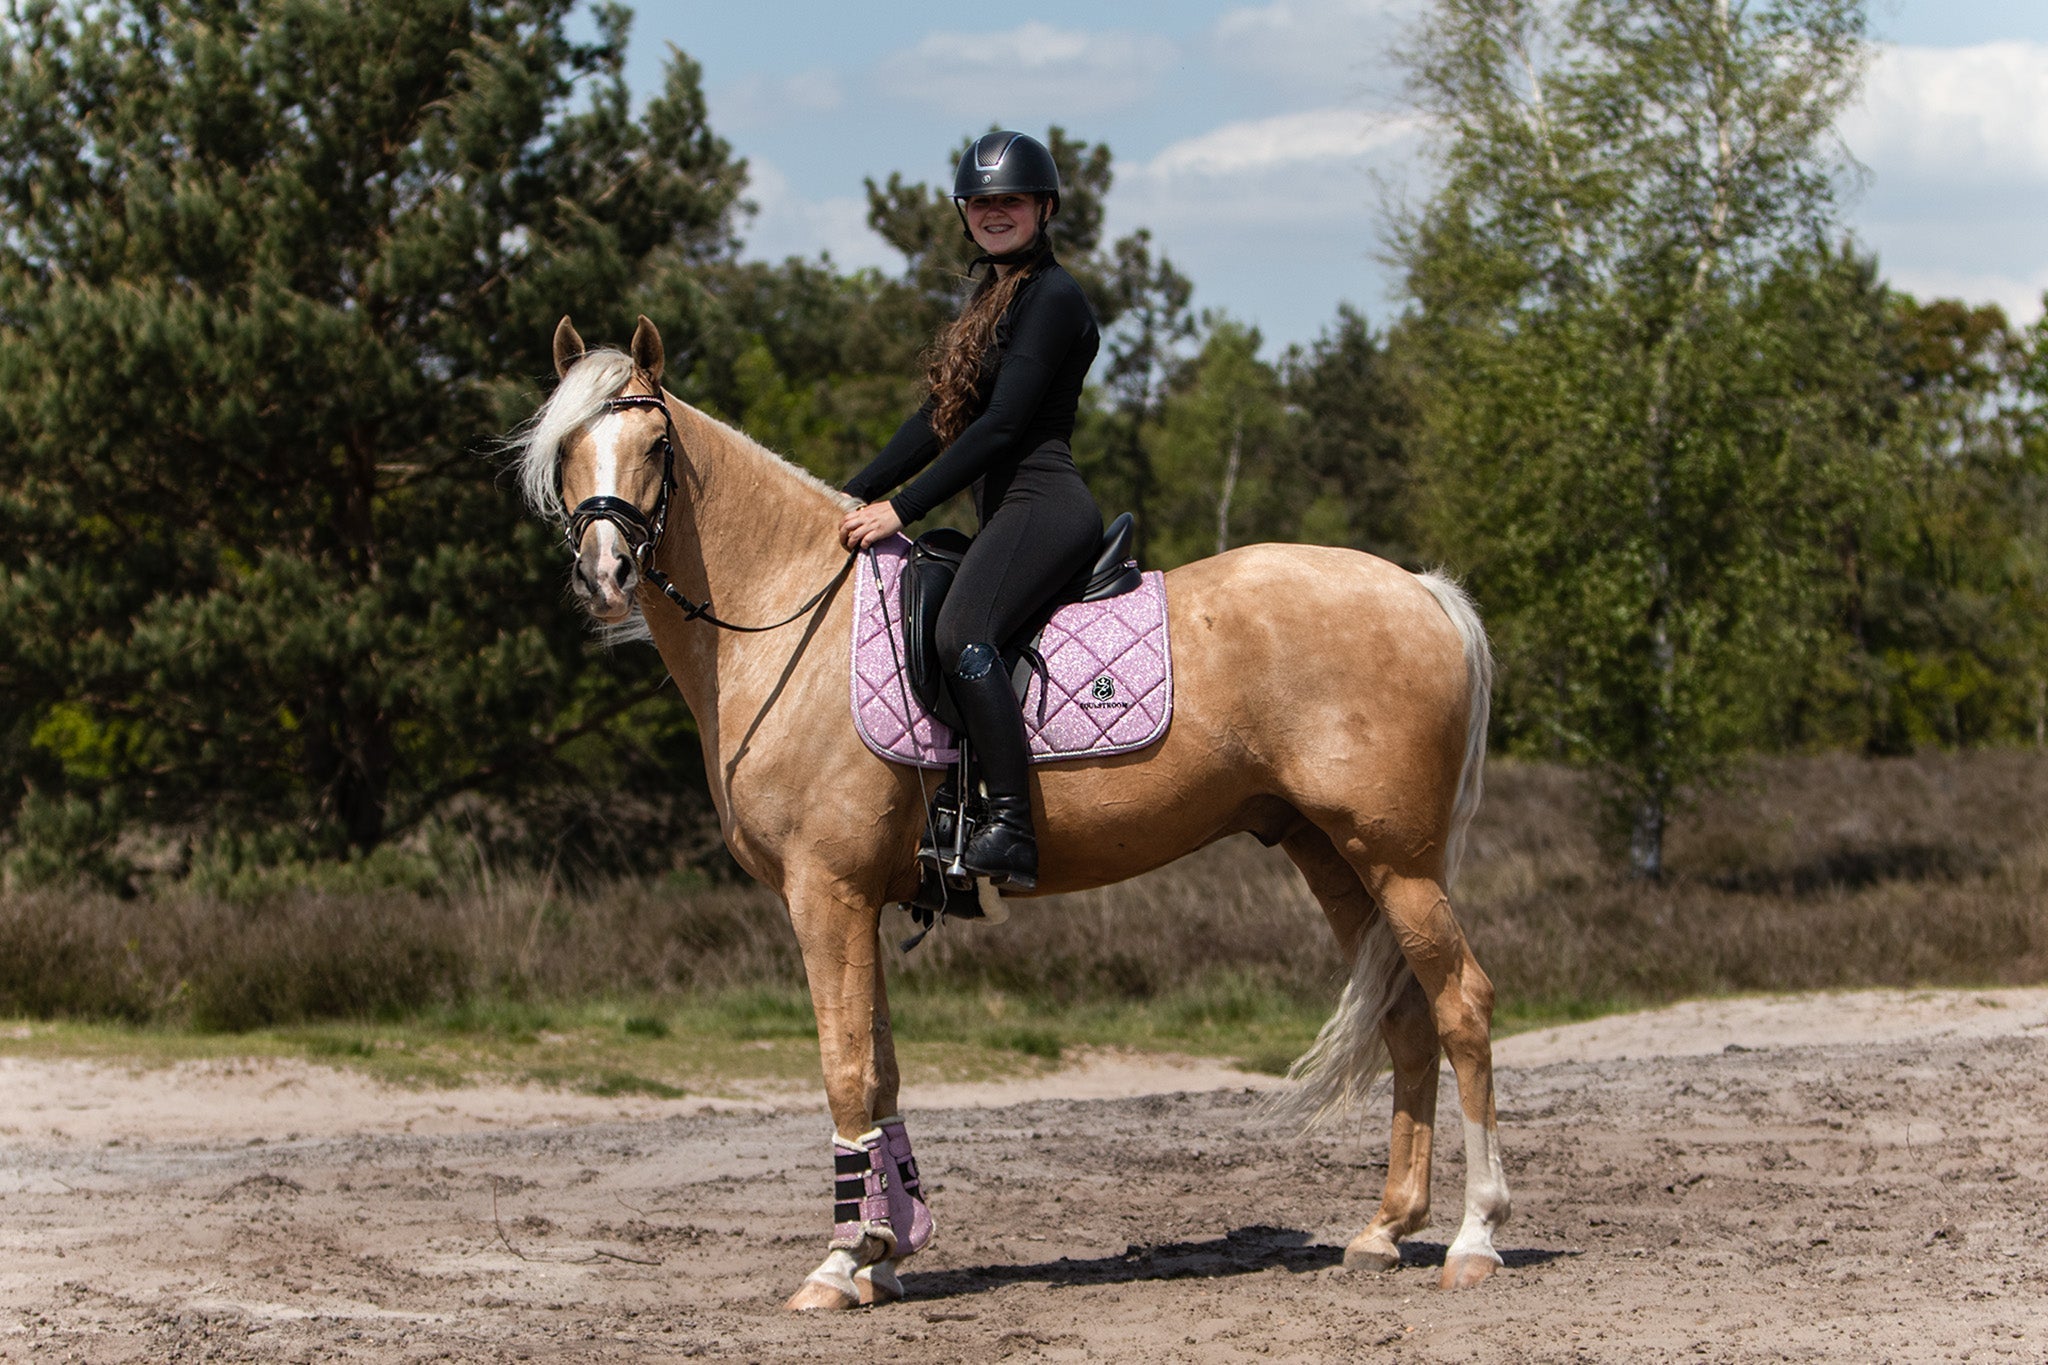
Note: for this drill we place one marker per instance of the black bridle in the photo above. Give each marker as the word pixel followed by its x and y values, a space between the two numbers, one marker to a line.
pixel 642 530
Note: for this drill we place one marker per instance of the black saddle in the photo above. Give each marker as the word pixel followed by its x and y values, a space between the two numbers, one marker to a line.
pixel 928 575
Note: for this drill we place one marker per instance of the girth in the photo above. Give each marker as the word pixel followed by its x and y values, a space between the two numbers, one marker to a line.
pixel 928 575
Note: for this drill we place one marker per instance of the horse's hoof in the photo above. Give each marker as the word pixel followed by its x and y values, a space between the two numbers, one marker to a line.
pixel 1372 1251
pixel 816 1295
pixel 1468 1272
pixel 877 1283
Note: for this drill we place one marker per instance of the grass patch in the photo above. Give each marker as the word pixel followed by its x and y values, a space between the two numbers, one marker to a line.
pixel 1032 1042
pixel 718 1044
pixel 608 1083
pixel 322 1046
pixel 1269 1061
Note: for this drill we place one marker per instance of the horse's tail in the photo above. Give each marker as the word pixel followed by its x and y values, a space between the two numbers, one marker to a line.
pixel 1479 692
pixel 1349 1055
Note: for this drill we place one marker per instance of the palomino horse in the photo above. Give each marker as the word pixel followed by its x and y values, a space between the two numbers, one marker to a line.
pixel 1329 702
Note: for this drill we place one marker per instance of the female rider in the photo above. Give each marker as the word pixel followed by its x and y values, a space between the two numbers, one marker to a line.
pixel 1005 380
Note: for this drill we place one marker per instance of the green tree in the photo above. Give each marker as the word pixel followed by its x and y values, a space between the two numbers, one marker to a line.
pixel 817 365
pixel 1947 619
pixel 1620 290
pixel 1222 442
pixel 1149 302
pixel 1349 441
pixel 271 272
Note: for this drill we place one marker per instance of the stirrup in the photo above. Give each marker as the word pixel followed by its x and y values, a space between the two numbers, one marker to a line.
pixel 941 897
pixel 939 840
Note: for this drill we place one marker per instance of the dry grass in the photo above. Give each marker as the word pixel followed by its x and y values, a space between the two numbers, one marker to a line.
pixel 1812 873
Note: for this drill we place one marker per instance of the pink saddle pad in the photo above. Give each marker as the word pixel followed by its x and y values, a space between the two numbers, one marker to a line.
pixel 1111 674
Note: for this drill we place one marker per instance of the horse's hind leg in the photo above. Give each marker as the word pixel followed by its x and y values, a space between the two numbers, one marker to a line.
pixel 1410 1037
pixel 1461 1006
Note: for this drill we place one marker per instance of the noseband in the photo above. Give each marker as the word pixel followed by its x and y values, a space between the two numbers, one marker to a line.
pixel 642 530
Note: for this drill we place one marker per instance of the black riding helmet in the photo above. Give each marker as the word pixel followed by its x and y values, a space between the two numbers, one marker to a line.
pixel 1005 163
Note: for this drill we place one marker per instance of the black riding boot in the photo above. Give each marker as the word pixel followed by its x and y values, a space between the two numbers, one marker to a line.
pixel 1004 848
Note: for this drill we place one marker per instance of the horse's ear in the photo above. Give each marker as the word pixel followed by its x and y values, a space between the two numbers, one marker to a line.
pixel 568 346
pixel 647 348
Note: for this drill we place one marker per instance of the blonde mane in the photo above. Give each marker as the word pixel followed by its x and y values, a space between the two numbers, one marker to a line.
pixel 536 449
pixel 578 399
pixel 591 382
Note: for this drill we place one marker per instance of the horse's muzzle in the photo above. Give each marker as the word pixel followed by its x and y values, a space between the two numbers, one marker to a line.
pixel 605 575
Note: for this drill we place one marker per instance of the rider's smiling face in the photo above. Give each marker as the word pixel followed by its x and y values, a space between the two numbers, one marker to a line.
pixel 1002 222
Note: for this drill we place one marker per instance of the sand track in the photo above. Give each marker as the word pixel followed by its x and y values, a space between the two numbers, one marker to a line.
pixel 1827 1178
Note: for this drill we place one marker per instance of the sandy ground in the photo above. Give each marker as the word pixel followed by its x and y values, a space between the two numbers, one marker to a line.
pixel 1853 1177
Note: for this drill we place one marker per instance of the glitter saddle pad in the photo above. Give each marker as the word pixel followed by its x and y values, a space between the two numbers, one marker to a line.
pixel 1110 672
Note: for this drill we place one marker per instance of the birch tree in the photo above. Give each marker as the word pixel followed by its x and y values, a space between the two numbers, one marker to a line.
pixel 1616 442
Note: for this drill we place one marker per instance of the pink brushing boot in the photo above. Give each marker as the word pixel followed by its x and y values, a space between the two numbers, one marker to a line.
pixel 909 1215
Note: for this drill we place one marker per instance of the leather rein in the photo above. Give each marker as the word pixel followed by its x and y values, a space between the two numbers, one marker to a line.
pixel 642 530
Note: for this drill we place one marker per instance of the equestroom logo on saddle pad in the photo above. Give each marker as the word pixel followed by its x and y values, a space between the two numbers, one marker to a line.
pixel 1111 672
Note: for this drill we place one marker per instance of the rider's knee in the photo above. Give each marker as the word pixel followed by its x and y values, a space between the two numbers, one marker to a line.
pixel 972 661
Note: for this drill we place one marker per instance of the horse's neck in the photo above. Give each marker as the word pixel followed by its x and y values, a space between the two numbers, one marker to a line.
pixel 757 517
pixel 756 536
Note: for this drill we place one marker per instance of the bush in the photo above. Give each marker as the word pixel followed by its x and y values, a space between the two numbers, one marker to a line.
pixel 1811 873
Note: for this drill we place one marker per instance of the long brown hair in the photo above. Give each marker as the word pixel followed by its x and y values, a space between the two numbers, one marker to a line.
pixel 955 360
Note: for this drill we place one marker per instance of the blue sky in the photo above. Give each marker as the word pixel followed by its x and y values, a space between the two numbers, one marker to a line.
pixel 1260 140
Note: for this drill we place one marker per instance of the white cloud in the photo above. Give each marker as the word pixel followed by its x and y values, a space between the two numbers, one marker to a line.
pixel 1320 48
pixel 1320 170
pixel 989 74
pixel 1956 115
pixel 790 225
pixel 1956 142
pixel 1334 138
pixel 1275 219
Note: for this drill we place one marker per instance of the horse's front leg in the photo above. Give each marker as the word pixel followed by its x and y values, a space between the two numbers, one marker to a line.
pixel 879 1214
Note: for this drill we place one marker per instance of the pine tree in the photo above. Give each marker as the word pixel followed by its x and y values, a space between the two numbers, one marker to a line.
pixel 1349 443
pixel 272 275
pixel 1149 300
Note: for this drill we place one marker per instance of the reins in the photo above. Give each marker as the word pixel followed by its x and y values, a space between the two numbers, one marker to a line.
pixel 642 530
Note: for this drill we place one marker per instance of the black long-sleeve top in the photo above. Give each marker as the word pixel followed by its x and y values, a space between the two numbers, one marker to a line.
pixel 1044 344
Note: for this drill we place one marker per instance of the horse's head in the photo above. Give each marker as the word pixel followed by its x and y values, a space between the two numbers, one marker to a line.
pixel 605 447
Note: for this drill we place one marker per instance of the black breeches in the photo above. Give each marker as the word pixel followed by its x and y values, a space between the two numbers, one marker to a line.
pixel 1040 540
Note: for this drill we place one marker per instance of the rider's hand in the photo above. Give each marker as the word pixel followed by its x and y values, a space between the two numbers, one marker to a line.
pixel 864 526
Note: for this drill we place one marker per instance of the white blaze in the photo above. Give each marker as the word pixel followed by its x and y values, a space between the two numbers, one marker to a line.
pixel 604 540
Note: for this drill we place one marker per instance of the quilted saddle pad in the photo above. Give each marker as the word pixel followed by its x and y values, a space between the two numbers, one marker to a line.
pixel 1111 674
